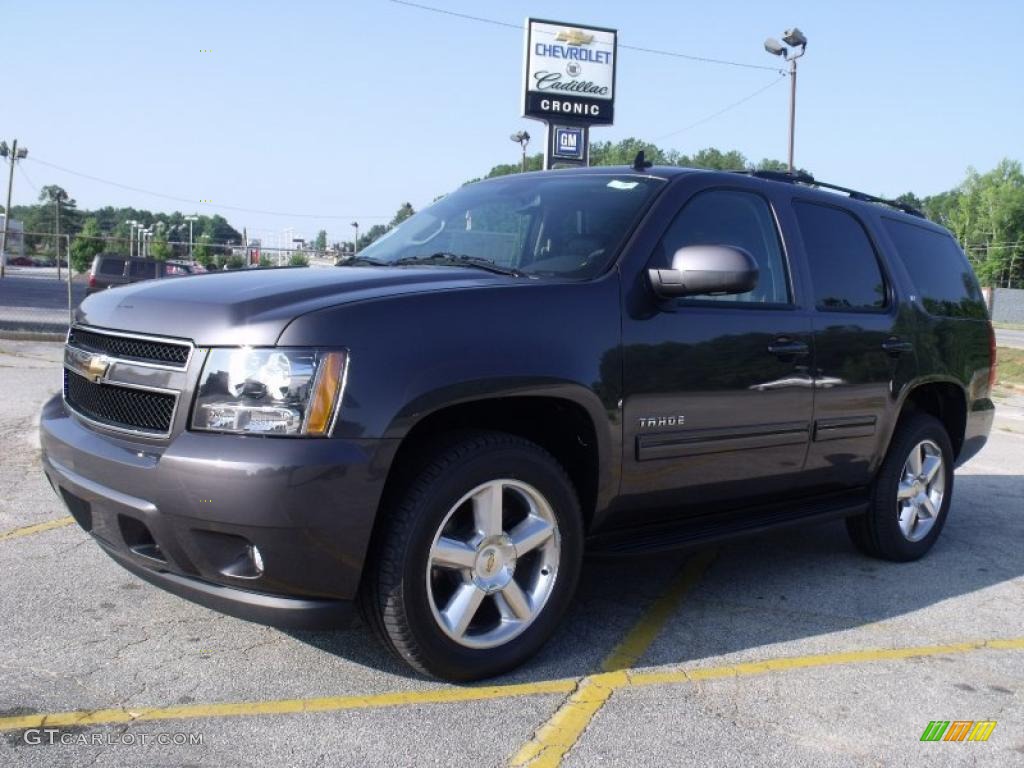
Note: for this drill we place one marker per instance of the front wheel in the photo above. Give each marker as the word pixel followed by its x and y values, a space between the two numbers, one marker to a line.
pixel 478 559
pixel 911 495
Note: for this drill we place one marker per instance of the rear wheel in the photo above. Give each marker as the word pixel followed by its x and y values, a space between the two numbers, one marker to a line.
pixel 911 495
pixel 478 560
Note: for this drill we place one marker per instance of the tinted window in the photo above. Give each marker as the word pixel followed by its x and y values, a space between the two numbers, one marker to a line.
pixel 742 219
pixel 111 266
pixel 844 267
pixel 142 269
pixel 544 224
pixel 939 269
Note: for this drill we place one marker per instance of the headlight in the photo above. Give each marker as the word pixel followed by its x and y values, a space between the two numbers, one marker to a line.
pixel 270 391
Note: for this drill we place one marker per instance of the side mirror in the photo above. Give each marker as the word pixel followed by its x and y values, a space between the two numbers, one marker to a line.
pixel 701 269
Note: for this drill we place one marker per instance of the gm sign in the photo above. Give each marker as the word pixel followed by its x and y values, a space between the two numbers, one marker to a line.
pixel 569 73
pixel 570 142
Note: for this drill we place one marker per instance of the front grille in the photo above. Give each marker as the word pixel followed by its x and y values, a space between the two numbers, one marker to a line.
pixel 121 407
pixel 129 348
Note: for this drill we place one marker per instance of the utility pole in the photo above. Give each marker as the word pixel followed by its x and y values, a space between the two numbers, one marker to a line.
pixel 14 154
pixel 355 243
pixel 56 234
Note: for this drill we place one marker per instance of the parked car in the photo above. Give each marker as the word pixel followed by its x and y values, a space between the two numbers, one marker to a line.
pixel 613 360
pixel 20 261
pixel 110 270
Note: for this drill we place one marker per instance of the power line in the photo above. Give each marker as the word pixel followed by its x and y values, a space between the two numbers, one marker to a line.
pixel 193 202
pixel 641 49
pixel 723 110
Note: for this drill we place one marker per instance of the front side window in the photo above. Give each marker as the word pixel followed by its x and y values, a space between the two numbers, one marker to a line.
pixel 844 267
pixel 557 224
pixel 740 219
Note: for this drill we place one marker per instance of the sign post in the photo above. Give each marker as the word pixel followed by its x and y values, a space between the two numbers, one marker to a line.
pixel 569 84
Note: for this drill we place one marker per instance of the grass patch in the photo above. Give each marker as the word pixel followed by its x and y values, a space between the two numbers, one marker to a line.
pixel 1011 366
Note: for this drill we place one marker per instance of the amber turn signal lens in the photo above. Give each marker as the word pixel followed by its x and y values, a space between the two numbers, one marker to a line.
pixel 326 394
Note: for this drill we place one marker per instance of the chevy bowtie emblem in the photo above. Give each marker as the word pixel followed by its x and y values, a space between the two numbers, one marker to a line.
pixel 88 364
pixel 574 37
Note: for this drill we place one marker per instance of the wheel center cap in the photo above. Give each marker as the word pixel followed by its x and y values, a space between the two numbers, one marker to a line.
pixel 495 563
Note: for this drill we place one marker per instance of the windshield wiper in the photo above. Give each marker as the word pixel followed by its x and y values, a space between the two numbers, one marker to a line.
pixel 362 261
pixel 446 259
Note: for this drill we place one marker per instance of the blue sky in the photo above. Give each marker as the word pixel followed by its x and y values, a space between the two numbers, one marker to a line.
pixel 346 109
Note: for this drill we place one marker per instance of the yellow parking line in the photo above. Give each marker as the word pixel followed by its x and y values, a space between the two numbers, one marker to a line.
pixel 746 669
pixel 28 530
pixel 558 735
pixel 284 706
pixel 595 688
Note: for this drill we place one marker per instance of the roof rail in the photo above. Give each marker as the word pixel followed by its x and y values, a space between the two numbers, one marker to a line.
pixel 801 177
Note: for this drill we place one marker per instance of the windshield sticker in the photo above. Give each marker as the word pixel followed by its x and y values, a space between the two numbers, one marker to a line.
pixel 616 184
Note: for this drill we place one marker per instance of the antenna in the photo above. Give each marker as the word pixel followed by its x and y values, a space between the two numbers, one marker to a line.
pixel 641 163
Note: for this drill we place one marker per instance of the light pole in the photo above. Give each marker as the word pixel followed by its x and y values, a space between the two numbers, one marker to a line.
pixel 355 243
pixel 131 236
pixel 522 138
pixel 190 219
pixel 13 154
pixel 794 38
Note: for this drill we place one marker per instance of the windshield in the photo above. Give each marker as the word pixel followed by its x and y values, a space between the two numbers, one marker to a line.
pixel 568 225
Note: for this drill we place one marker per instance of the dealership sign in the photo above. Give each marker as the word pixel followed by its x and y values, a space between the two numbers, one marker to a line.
pixel 570 73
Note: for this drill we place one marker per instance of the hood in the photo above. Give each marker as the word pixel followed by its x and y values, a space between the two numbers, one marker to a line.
pixel 254 306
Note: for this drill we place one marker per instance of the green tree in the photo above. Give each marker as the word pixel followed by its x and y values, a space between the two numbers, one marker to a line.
pixel 203 252
pixel 320 244
pixel 404 212
pixel 298 259
pixel 159 248
pixel 86 245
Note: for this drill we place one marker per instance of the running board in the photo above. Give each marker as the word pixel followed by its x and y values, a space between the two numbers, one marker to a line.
pixel 697 531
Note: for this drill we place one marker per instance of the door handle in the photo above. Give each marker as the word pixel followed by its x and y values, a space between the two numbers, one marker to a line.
pixel 784 346
pixel 897 346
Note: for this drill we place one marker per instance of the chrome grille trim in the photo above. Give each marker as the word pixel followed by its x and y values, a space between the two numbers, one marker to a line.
pixel 134 336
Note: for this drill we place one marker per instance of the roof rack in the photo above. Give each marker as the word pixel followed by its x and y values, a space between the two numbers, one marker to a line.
pixel 800 177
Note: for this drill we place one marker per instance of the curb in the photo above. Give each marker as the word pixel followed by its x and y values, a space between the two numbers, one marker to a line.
pixel 16 331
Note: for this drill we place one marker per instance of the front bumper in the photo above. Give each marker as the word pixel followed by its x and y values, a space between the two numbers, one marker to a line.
pixel 185 514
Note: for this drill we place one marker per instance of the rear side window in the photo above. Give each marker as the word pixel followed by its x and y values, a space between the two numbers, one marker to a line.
pixel 844 267
pixel 142 269
pixel 741 219
pixel 111 267
pixel 939 269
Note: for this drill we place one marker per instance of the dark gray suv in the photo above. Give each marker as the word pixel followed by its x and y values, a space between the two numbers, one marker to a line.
pixel 613 360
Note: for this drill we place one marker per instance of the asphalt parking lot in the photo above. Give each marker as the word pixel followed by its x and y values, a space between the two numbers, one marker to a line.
pixel 787 649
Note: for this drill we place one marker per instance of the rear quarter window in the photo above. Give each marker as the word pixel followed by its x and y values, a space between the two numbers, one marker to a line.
pixel 941 274
pixel 111 266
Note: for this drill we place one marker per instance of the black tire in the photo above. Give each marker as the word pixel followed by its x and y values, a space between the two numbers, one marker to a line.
pixel 877 532
pixel 394 594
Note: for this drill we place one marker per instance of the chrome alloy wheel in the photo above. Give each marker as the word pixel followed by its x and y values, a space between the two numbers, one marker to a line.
pixel 921 490
pixel 493 563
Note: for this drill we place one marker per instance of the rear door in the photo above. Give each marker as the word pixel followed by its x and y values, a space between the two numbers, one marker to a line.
pixel 863 344
pixel 717 389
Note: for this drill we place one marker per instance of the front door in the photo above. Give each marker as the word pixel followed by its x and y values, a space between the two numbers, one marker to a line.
pixel 717 389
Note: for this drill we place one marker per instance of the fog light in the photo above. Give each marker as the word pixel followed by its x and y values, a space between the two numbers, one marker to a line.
pixel 256 558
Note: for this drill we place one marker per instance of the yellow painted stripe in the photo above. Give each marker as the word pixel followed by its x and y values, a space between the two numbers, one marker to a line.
pixel 560 733
pixel 285 706
pixel 747 669
pixel 28 530
pixel 587 698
